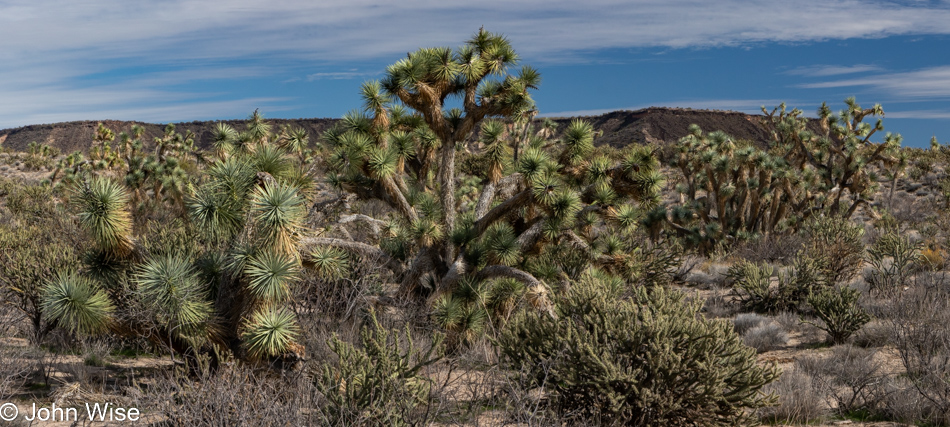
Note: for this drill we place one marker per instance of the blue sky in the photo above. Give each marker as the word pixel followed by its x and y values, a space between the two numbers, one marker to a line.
pixel 182 60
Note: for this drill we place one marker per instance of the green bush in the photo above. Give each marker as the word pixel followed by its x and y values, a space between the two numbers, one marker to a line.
pixel 891 257
pixel 836 243
pixel 839 309
pixel 648 359
pixel 753 283
pixel 379 382
pixel 39 241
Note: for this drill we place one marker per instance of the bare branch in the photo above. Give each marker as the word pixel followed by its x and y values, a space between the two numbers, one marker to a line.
pixel 361 249
pixel 497 270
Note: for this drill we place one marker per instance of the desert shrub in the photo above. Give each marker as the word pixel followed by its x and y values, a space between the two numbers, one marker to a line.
pixel 836 243
pixel 932 256
pixel 839 310
pixel 851 378
pixel 771 248
pixel 753 284
pixel 39 242
pixel 921 321
pixel 873 334
pixel 891 258
pixel 799 400
pixel 235 396
pixel 606 359
pixel 765 337
pixel 745 321
pixel 720 304
pixel 687 264
pixel 913 209
pixel 378 382
pixel 16 364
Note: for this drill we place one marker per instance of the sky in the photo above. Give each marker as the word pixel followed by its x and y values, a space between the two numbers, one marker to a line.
pixel 181 60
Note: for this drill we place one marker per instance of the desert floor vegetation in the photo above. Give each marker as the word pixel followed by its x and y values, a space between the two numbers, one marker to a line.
pixel 460 262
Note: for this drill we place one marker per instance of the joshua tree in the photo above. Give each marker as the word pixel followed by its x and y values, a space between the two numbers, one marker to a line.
pixel 505 212
pixel 733 189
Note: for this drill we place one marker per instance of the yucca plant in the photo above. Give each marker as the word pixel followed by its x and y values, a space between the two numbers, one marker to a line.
pixel 270 332
pixel 77 304
pixel 214 275
pixel 103 212
pixel 328 263
pixel 215 213
pixel 171 287
pixel 270 276
pixel 278 213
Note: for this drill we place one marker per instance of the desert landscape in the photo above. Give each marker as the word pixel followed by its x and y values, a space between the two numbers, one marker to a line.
pixel 418 262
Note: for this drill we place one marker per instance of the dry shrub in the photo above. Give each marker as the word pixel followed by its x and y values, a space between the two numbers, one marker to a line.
pixel 920 318
pixel 805 325
pixel 799 401
pixel 765 337
pixel 933 258
pixel 16 364
pixel 720 305
pixel 233 396
pixel 873 334
pixel 851 378
pixel 745 321
pixel 687 264
pixel 771 248
pixel 910 209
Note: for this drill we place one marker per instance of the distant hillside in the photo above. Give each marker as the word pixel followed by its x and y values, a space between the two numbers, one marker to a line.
pixel 619 128
pixel 655 124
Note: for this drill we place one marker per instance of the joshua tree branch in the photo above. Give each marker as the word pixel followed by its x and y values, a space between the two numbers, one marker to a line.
pixel 496 270
pixel 501 210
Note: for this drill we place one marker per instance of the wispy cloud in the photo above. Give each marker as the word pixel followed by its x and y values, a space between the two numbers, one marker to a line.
pixel 831 70
pixel 54 47
pixel 337 29
pixel 933 82
pixel 919 114
pixel 340 75
pixel 177 112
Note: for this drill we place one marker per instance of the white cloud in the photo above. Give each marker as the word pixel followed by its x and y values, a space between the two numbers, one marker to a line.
pixel 919 114
pixel 337 29
pixel 340 75
pixel 52 46
pixel 832 70
pixel 931 82
pixel 176 112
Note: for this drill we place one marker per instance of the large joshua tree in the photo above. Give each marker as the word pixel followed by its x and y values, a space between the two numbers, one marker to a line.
pixel 488 221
